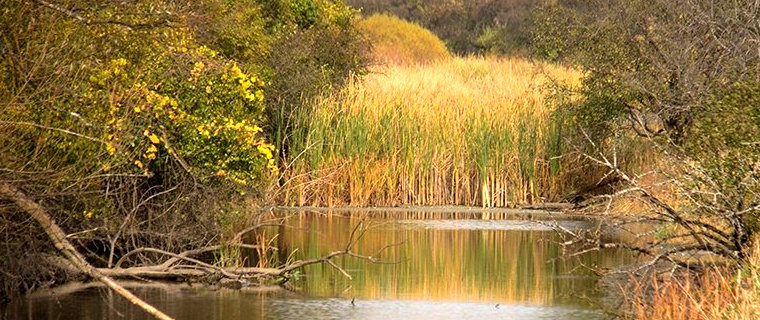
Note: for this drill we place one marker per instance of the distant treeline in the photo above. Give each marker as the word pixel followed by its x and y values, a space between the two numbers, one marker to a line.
pixel 500 26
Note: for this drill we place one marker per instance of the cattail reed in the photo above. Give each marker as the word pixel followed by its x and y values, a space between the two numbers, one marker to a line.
pixel 465 131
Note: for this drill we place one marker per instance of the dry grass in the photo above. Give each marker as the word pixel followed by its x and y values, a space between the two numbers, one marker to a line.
pixel 719 293
pixel 469 131
pixel 395 41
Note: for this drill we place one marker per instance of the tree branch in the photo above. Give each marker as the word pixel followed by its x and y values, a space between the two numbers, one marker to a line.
pixel 88 21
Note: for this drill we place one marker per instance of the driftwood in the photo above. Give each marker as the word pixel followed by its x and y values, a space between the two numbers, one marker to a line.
pixel 193 268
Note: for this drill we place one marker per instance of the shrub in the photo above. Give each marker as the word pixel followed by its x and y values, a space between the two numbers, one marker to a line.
pixel 499 26
pixel 145 119
pixel 401 42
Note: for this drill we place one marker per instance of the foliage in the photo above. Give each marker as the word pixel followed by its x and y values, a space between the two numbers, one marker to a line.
pixel 150 118
pixel 204 111
pixel 680 76
pixel 724 133
pixel 397 41
pixel 644 58
pixel 318 48
pixel 299 48
pixel 648 62
pixel 495 26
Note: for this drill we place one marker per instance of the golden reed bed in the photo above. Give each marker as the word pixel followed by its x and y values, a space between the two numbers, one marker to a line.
pixel 466 131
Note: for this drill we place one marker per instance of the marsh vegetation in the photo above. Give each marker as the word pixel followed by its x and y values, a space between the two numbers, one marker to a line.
pixel 141 138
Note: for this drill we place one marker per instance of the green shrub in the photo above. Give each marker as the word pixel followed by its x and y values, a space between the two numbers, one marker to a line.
pixel 725 136
pixel 317 49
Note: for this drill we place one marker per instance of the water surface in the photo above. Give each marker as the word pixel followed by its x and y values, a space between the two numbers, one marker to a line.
pixel 439 267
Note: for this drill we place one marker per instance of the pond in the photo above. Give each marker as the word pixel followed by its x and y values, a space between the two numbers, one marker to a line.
pixel 435 265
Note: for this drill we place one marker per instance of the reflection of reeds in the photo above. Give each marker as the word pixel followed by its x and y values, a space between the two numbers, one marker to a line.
pixel 445 265
pixel 471 131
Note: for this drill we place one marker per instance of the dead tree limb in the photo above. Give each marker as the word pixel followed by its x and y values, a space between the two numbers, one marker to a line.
pixel 195 268
pixel 58 237
pixel 708 225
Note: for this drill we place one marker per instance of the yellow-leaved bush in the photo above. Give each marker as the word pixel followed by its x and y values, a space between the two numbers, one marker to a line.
pixel 187 107
pixel 149 122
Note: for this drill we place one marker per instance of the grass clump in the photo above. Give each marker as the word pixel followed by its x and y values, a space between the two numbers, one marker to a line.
pixel 397 41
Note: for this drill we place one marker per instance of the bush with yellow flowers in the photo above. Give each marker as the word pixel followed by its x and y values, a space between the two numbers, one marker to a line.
pixel 145 121
pixel 205 115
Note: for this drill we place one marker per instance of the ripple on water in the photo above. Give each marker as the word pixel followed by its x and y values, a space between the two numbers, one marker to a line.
pixel 199 304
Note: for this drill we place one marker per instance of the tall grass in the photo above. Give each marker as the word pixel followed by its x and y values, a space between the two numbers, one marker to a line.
pixel 468 131
pixel 718 293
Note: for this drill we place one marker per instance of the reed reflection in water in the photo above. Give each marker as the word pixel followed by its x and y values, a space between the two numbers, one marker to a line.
pixel 459 259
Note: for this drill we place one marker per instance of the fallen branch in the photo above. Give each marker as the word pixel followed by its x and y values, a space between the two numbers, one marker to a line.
pixel 58 237
pixel 235 242
pixel 74 262
pixel 200 269
pixel 195 268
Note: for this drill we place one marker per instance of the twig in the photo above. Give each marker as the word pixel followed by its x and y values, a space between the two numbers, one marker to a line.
pixel 69 132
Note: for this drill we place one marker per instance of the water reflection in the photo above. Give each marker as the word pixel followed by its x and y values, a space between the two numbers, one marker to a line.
pixel 96 304
pixel 507 262
pixel 449 267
